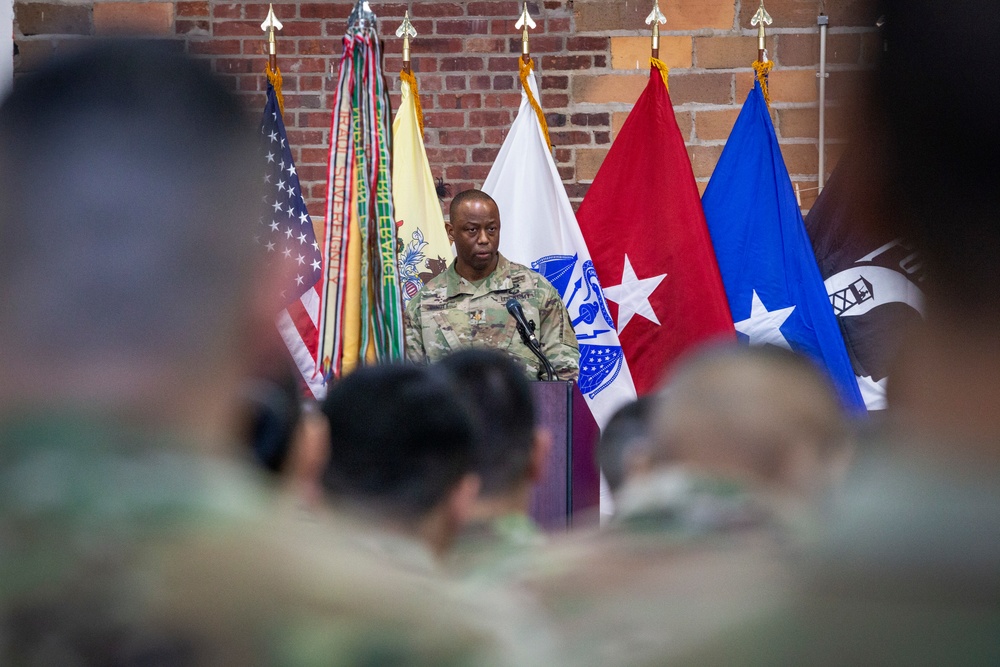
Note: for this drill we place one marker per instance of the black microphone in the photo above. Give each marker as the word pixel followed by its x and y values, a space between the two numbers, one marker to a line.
pixel 527 331
pixel 515 310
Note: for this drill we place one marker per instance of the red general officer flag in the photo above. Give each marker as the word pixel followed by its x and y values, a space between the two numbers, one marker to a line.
pixel 643 222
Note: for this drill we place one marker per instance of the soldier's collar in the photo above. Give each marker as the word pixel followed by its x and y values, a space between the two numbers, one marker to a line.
pixel 493 283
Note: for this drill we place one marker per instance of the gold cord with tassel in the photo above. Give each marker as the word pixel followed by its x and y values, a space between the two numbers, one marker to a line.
pixel 664 70
pixel 526 68
pixel 415 92
pixel 762 70
pixel 274 77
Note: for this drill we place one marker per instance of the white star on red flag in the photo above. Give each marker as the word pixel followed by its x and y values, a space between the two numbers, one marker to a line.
pixel 632 296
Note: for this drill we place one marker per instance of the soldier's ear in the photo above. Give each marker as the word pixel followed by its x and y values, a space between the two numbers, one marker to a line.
pixel 462 500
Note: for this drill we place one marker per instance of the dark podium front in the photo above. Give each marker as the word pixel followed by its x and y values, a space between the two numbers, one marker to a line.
pixel 569 491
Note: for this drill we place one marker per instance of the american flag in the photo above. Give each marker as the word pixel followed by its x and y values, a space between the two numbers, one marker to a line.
pixel 285 234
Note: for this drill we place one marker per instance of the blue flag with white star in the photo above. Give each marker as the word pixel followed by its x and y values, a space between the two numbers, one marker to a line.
pixel 774 287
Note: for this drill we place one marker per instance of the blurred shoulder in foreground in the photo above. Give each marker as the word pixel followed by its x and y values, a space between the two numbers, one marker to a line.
pixel 716 500
pixel 907 573
pixel 131 296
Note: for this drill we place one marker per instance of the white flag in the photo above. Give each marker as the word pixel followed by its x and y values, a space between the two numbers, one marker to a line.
pixel 539 229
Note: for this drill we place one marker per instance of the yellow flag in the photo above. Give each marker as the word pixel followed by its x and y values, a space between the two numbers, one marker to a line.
pixel 352 291
pixel 424 250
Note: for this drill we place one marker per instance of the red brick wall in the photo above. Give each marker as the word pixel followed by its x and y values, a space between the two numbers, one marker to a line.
pixel 591 56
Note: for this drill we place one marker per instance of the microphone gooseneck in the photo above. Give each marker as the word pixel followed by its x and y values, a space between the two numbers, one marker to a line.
pixel 527 331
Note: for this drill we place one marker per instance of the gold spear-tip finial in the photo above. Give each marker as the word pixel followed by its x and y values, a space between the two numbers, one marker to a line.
pixel 760 19
pixel 406 31
pixel 656 19
pixel 270 24
pixel 524 22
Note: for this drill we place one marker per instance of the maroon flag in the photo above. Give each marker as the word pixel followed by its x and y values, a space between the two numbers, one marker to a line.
pixel 643 222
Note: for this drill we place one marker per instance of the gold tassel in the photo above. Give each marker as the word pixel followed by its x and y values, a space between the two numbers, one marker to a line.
pixel 412 80
pixel 762 70
pixel 664 70
pixel 274 77
pixel 526 68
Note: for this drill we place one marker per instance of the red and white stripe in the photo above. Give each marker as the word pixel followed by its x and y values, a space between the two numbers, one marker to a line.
pixel 299 328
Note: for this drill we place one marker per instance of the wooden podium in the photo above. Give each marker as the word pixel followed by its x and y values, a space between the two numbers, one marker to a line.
pixel 569 491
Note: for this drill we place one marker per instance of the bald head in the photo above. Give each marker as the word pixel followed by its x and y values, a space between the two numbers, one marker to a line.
pixel 760 414
pixel 467 197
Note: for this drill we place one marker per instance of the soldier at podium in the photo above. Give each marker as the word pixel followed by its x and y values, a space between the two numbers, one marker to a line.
pixel 469 304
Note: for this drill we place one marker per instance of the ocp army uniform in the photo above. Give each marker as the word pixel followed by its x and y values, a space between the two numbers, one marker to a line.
pixel 123 546
pixel 689 557
pixel 451 313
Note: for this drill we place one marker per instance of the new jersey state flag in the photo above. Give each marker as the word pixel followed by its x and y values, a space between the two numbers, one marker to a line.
pixel 643 223
pixel 423 249
pixel 774 287
pixel 538 229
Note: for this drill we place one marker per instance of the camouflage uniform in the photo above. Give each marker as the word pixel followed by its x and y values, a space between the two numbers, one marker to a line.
pixel 905 573
pixel 692 557
pixel 497 549
pixel 125 547
pixel 451 313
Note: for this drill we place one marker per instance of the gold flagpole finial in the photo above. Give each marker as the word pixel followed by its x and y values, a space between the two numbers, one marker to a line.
pixel 760 19
pixel 406 31
pixel 656 19
pixel 524 22
pixel 270 24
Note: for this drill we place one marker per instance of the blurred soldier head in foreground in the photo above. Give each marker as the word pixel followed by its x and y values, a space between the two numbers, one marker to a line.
pixel 128 299
pixel 511 448
pixel 762 424
pixel 624 448
pixel 937 144
pixel 127 275
pixel 907 573
pixel 741 445
pixel 510 456
pixel 401 451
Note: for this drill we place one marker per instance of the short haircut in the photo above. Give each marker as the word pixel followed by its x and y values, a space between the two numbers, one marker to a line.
pixel 469 196
pixel 749 405
pixel 129 176
pixel 501 401
pixel 400 439
pixel 627 430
